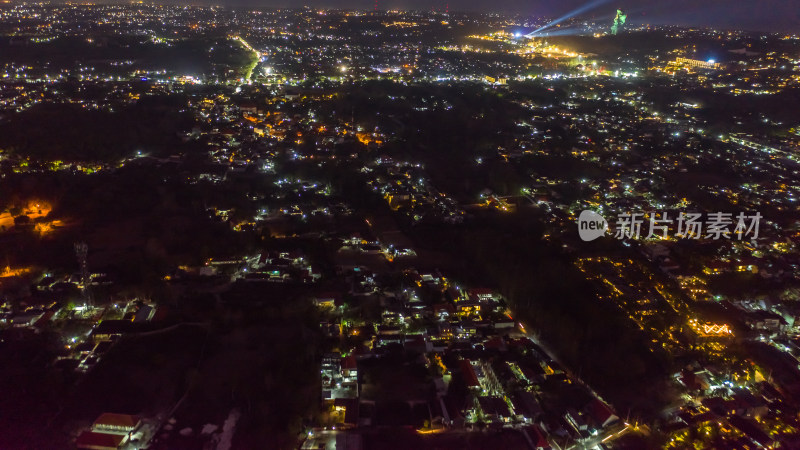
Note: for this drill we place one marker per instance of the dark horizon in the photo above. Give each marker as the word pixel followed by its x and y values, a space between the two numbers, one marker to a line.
pixel 748 15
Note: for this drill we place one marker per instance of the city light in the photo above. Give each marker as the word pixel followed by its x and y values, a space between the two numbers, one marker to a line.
pixel 326 227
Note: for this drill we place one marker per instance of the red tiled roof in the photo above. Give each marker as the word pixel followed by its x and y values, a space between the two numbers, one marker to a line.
pixel 160 314
pixel 690 380
pixel 117 420
pixel 98 441
pixel 480 291
pixel 349 362
pixel 496 343
pixel 538 436
pixel 44 319
pixel 469 373
pixel 446 307
pixel 600 412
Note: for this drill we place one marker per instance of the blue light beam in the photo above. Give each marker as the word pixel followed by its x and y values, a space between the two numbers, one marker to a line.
pixel 587 7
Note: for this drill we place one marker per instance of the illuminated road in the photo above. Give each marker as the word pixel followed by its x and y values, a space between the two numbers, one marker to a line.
pixel 318 439
pixel 257 54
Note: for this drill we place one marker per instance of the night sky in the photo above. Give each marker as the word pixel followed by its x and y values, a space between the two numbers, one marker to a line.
pixel 769 15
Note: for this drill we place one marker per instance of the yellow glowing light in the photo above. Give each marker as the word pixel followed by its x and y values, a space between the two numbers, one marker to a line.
pixel 9 272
